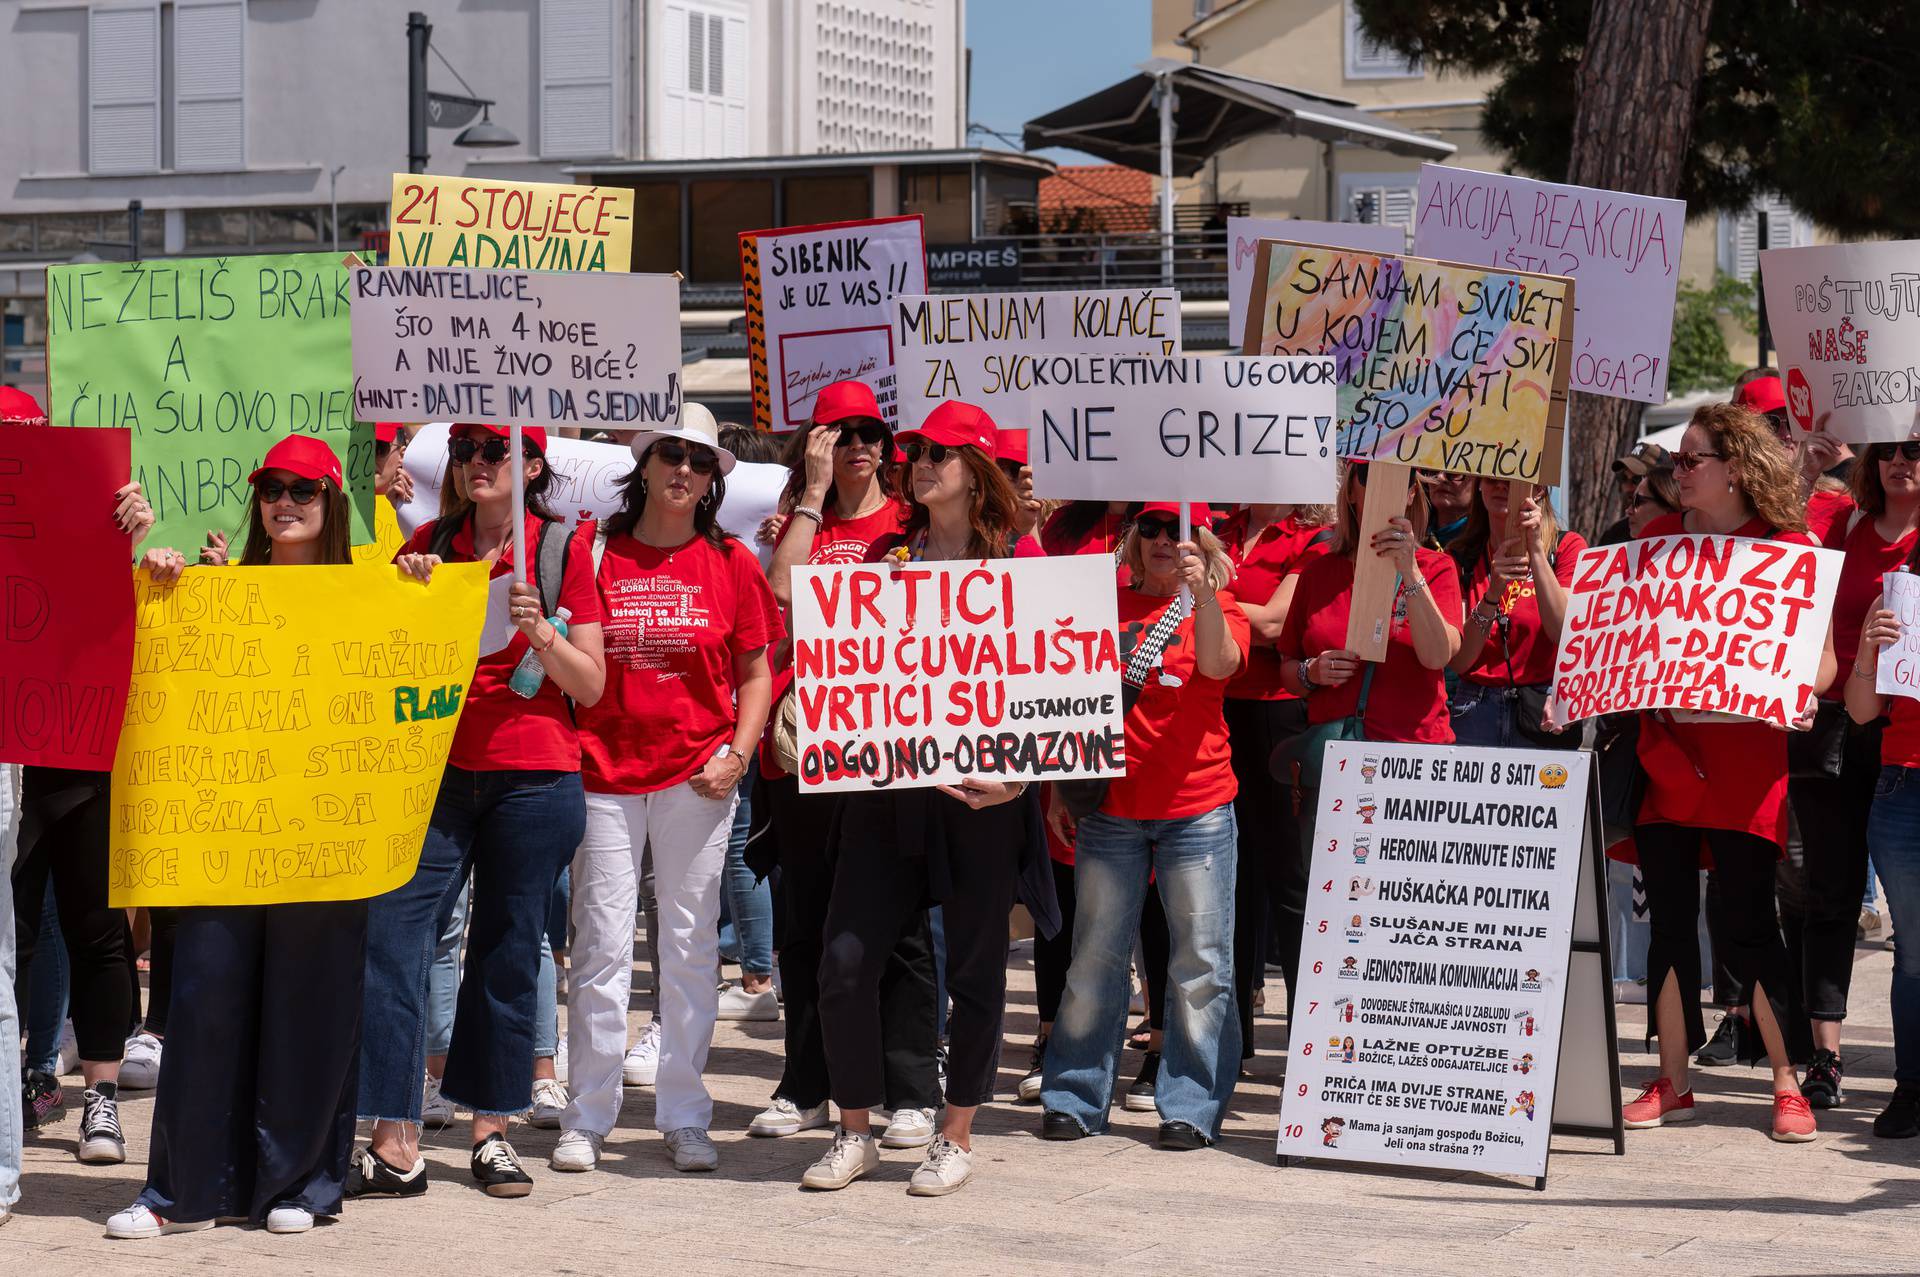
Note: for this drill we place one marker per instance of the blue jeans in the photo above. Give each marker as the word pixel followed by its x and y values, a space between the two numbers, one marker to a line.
pixel 443 978
pixel 1480 716
pixel 1192 862
pixel 514 831
pixel 46 1009
pixel 749 902
pixel 1893 835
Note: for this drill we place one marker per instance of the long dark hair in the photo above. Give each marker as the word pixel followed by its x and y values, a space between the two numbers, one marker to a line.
pixel 633 502
pixel 336 533
pixel 991 512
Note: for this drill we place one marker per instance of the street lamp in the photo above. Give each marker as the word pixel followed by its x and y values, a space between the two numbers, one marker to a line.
pixel 442 110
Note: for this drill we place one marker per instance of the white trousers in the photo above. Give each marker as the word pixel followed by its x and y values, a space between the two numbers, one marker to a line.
pixel 688 834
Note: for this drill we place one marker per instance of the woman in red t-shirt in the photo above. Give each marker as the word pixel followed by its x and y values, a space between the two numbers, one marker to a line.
pixel 510 812
pixel 1516 591
pixel 1717 793
pixel 688 620
pixel 1170 818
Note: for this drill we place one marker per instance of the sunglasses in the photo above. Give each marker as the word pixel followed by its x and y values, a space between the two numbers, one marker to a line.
pixel 1688 462
pixel 493 451
pixel 303 491
pixel 867 434
pixel 1640 498
pixel 698 458
pixel 1151 527
pixel 381 448
pixel 1910 449
pixel 934 452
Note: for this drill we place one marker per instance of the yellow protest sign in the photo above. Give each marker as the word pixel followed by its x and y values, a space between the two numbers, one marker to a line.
pixel 498 225
pixel 387 536
pixel 286 731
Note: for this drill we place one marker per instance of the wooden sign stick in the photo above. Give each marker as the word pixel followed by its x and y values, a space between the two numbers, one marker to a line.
pixel 1375 582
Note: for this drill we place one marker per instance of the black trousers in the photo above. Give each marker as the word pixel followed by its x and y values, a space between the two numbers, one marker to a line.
pixel 261 1072
pixel 801 822
pixel 1156 950
pixel 1743 866
pixel 1051 958
pixel 162 924
pixel 1270 873
pixel 1822 922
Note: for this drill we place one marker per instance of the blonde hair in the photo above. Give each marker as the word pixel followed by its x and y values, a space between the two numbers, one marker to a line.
pixel 1767 476
pixel 1219 563
pixel 1346 521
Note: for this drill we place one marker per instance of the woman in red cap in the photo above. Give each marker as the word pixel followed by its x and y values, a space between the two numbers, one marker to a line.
pixel 511 812
pixel 1010 454
pixel 896 850
pixel 254 1115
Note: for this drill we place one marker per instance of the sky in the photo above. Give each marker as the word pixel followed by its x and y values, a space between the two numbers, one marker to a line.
pixel 1033 56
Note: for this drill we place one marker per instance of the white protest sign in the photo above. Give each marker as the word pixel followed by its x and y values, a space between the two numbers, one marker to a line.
pixel 986 349
pixel 576 348
pixel 1232 428
pixel 1846 320
pixel 925 673
pixel 1622 250
pixel 1898 671
pixel 1702 624
pixel 1439 921
pixel 819 310
pixel 1243 247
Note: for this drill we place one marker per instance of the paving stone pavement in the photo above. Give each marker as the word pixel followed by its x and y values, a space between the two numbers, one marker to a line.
pixel 1715 1196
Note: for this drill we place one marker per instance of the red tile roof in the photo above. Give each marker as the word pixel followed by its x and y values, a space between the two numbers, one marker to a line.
pixel 1096 186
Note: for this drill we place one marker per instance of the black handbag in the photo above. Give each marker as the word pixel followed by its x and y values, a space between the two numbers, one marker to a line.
pixel 1623 781
pixel 1819 753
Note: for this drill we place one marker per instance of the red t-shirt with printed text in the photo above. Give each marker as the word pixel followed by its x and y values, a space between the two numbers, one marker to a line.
pixel 1869 557
pixel 1280 550
pixel 675 620
pixel 1531 650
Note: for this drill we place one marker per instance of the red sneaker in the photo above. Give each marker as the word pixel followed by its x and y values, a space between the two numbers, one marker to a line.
pixel 1657 1106
pixel 1793 1119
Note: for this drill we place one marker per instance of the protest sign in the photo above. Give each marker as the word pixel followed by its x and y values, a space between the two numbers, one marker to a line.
pixel 920 674
pixel 819 310
pixel 1704 624
pixel 498 225
pixel 1846 319
pixel 988 349
pixel 516 347
pixel 1898 670
pixel 67 640
pixel 1623 249
pixel 387 537
pixel 1131 428
pixel 286 731
pixel 1243 250
pixel 209 362
pixel 1441 366
pixel 1434 965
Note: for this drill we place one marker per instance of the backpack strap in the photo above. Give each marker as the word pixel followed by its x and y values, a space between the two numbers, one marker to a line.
pixel 550 564
pixel 441 543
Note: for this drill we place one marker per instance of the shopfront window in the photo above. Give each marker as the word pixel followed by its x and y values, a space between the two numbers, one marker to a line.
pixel 839 197
pixel 717 212
pixel 943 195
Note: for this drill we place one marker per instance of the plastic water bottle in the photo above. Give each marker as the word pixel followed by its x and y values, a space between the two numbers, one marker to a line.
pixel 530 673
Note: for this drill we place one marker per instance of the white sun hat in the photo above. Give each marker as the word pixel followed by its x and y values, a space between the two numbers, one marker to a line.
pixel 696 426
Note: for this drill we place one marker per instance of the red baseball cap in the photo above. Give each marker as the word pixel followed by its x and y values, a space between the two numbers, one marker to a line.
pixel 843 399
pixel 535 435
pixel 304 456
pixel 386 431
pixel 956 424
pixel 20 408
pixel 1011 445
pixel 1199 512
pixel 1762 394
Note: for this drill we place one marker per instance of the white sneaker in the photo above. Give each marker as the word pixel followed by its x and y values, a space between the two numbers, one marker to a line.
pixel 642 1064
pixel 140 1063
pixel 946 1169
pixel 436 1110
pixel 550 1100
pixel 779 994
pixel 784 1117
pixel 289 1219
pixel 69 1050
pixel 847 1159
pixel 137 1222
pixel 578 1150
pixel 692 1150
pixel 737 1004
pixel 560 1059
pixel 910 1128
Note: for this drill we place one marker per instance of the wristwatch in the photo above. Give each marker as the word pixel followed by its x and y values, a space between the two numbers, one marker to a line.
pixel 1307 685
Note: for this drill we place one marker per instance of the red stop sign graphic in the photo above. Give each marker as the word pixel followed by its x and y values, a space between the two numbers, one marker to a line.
pixel 1799 399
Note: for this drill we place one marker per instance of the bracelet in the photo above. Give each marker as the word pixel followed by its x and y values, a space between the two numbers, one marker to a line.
pixel 1200 603
pixel 1865 675
pixel 1482 621
pixel 808 512
pixel 1307 685
pixel 1022 788
pixel 1415 586
pixel 550 642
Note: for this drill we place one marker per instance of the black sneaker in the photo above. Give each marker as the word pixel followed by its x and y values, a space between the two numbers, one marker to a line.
pixel 101 1141
pixel 1139 1097
pixel 1029 1091
pixel 41 1099
pixel 1728 1044
pixel 1822 1086
pixel 1182 1136
pixel 497 1167
pixel 1059 1126
pixel 1900 1120
pixel 369 1176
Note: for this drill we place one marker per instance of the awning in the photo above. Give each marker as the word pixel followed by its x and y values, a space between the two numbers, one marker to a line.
pixel 1215 110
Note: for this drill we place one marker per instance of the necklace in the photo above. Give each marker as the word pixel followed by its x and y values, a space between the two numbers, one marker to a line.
pixel 924 548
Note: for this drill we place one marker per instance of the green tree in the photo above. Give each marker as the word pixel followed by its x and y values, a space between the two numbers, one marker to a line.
pixel 1699 359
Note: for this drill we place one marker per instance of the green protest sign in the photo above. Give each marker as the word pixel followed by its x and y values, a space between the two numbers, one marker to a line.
pixel 209 362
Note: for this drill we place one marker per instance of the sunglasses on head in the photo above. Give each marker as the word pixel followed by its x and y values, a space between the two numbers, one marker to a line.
pixel 1909 448
pixel 303 491
pixel 1688 462
pixel 698 458
pixel 493 451
pixel 867 434
pixel 1151 527
pixel 934 452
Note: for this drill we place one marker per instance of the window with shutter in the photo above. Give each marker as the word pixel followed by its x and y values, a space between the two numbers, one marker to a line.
pixel 1375 202
pixel 577 95
pixel 123 88
pixel 209 79
pixel 1739 235
pixel 703 97
pixel 1368 59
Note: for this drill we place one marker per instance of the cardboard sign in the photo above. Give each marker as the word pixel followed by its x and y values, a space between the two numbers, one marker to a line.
pixel 516 346
pixel 1434 964
pixel 993 350
pixel 387 536
pixel 1898 670
pixel 1624 250
pixel 1243 250
pixel 286 731
pixel 1441 367
pixel 499 225
pixel 67 641
pixel 819 310
pixel 925 673
pixel 209 362
pixel 1128 428
pixel 1846 319
pixel 1704 624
